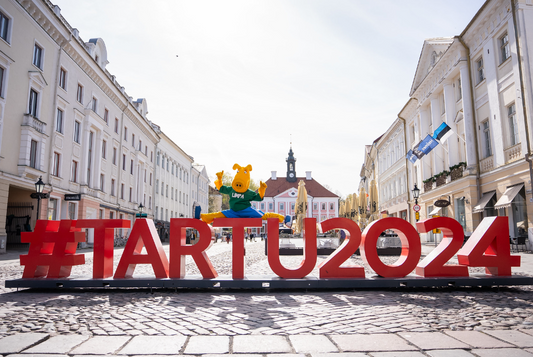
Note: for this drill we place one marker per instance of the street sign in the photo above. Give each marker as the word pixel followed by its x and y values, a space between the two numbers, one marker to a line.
pixel 40 195
pixel 416 208
pixel 73 197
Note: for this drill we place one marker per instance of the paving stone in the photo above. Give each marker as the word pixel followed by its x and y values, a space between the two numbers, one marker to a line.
pixel 477 339
pixel 374 342
pixel 19 342
pixel 207 344
pixel 516 338
pixel 449 353
pixel 432 340
pixel 398 354
pixel 154 345
pixel 101 345
pixel 312 343
pixel 261 344
pixel 499 352
pixel 58 344
pixel 342 354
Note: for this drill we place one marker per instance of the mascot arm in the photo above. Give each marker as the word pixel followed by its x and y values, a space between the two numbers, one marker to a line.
pixel 262 189
pixel 218 182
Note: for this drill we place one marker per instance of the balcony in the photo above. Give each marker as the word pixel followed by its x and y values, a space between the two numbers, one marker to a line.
pixel 513 153
pixel 486 164
pixel 32 122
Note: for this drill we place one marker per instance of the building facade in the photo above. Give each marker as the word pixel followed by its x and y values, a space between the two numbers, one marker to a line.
pixel 65 119
pixel 281 193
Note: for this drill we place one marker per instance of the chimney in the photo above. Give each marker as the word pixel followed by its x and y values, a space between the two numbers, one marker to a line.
pixel 308 175
pixel 273 177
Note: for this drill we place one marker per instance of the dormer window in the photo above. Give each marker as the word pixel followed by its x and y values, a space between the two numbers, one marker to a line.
pixel 96 58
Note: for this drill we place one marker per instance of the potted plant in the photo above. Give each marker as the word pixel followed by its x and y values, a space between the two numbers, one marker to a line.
pixel 456 171
pixel 428 184
pixel 441 177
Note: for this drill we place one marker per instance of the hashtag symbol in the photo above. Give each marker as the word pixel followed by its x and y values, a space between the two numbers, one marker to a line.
pixel 52 251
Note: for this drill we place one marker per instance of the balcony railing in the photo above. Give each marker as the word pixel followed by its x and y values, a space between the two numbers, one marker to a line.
pixel 31 121
pixel 486 164
pixel 513 153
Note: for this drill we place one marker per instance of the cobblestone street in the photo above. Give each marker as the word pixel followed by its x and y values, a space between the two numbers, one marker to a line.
pixel 228 313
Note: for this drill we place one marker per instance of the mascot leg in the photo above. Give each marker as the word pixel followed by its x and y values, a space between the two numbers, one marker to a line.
pixel 209 217
pixel 274 215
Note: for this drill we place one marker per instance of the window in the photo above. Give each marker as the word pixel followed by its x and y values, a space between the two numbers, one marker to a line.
pixel 116 125
pixel 38 56
pixel 112 187
pixel 146 150
pixel 150 179
pixel 131 194
pixel 167 192
pixel 459 90
pixel 133 140
pixel 480 71
pixel 101 214
pixel 282 206
pixel 140 145
pixel 59 121
pixel 4 27
pixel 77 131
pixel 172 193
pixel 104 149
pixel 513 125
pixel 71 210
pixel 52 209
pixel 63 78
pixel 106 115
pixel 162 188
pixel 102 182
pixel 131 167
pixel 156 186
pixel 331 206
pixel 55 169
pixel 94 105
pixel 270 206
pixel 2 71
pixel 157 159
pixel 124 162
pixel 111 215
pixel 144 175
pixel 442 104
pixel 315 206
pixel 115 156
pixel 74 173
pixel 33 154
pixel 505 51
pixel 90 158
pixel 122 191
pixel 151 156
pixel 150 202
pixel 323 206
pixel 126 133
pixel 79 94
pixel 262 205
pixel 32 107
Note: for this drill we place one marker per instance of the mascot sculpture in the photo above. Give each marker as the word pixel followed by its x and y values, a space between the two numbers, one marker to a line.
pixel 240 197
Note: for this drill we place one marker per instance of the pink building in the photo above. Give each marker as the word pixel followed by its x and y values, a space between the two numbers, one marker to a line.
pixel 281 193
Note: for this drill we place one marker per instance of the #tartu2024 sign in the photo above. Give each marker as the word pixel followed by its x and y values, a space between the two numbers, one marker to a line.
pixel 52 251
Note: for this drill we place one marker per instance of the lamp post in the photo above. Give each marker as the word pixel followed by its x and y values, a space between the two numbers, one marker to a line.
pixel 141 214
pixel 39 187
pixel 416 194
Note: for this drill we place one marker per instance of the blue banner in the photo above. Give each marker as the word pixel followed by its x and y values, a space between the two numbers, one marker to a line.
pixel 428 144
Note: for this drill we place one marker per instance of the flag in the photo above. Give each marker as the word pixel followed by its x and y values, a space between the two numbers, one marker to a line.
pixel 442 133
pixel 417 152
pixel 411 156
pixel 428 144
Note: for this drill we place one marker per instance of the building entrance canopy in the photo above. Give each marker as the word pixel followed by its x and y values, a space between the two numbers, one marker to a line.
pixel 480 207
pixel 508 196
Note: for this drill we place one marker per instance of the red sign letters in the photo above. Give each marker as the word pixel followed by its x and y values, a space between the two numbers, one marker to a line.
pixel 52 251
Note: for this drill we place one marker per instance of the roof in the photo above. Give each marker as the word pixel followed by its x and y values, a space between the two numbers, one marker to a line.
pixel 315 189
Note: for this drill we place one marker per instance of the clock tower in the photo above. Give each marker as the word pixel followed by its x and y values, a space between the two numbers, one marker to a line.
pixel 291 167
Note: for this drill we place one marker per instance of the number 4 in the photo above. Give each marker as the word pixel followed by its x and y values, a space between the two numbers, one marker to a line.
pixel 489 247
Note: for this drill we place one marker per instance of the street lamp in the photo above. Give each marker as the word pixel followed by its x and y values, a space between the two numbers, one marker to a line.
pixel 416 194
pixel 39 187
pixel 141 214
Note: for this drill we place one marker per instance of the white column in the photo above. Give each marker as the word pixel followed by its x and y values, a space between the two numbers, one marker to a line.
pixel 438 157
pixel 425 162
pixel 468 113
pixel 449 102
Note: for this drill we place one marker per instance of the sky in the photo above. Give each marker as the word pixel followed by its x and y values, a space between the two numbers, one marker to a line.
pixel 240 81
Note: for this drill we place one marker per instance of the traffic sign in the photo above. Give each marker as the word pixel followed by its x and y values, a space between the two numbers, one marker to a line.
pixel 416 208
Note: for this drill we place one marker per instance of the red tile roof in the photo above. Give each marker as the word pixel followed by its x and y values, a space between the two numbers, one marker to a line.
pixel 275 187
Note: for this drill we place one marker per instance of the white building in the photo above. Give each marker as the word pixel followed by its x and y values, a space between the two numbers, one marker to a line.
pixel 392 172
pixel 199 188
pixel 65 118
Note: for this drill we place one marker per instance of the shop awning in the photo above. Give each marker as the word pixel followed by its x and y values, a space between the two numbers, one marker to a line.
pixel 435 211
pixel 483 202
pixel 508 196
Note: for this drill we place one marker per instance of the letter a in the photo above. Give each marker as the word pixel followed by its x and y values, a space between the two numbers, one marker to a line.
pixel 142 235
